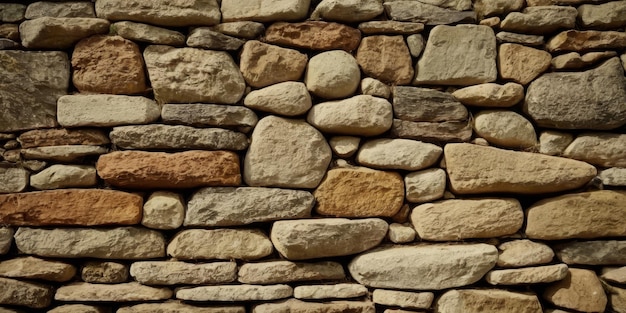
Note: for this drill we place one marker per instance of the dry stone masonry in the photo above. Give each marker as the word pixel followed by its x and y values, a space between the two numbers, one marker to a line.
pixel 313 156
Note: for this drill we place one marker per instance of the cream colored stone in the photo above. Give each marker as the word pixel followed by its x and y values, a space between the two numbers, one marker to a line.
pixel 491 95
pixel 35 268
pixel 178 307
pixel 106 110
pixel 426 185
pixel 374 87
pixel 614 176
pixel 163 210
pixel 32 295
pixel 540 20
pixel 403 299
pixel 523 252
pixel 297 306
pixel 64 176
pixel 65 153
pixel 263 64
pixel 349 11
pixel 178 273
pixel 6 239
pixel 13 179
pixel 264 11
pixel 79 308
pixel 276 272
pixel 344 146
pixel 148 33
pixel 581 290
pixel 288 98
pixel 360 115
pixel 338 291
pixel 399 233
pixel 125 292
pixel 59 32
pixel 615 275
pixel 522 64
pixel 553 142
pixel 416 44
pixel 493 22
pixel 528 275
pixel 235 293
pixel 486 8
pixel 487 301
pixel 403 154
pixel 190 244
pixel 160 12
pixel 332 75
pixel 602 149
pixel 104 272
pixel 505 128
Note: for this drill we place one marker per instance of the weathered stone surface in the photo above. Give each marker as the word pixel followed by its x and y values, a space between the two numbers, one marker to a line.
pixel 476 169
pixel 276 272
pixel 204 37
pixel 233 293
pixel 64 176
pixel 602 149
pixel 420 11
pixel 617 297
pixel 486 8
pixel 241 29
pixel 32 83
pixel 226 206
pixel 432 132
pixel 416 44
pixel 62 136
pixel 175 273
pixel 187 75
pixel 581 290
pixel 609 15
pixel 491 95
pixel 105 110
pixel 318 238
pixel 467 218
pixel 574 40
pixel 140 169
pixel 314 35
pixel 374 87
pixel 390 27
pixel 399 233
pixel 66 153
pixel 297 306
pixel 35 268
pixel 158 136
pixel 540 20
pixel 614 176
pixel 574 60
pixel 263 64
pixel 88 292
pixel 528 275
pixel 598 252
pixel 529 40
pixel 32 295
pixel 505 128
pixel 288 98
pixel 203 115
pixel 171 307
pixel 424 267
pixel 554 142
pixel 615 275
pixel 64 9
pixel 148 33
pixel 78 308
pixel 487 301
pixel 13 179
pixel 402 154
pixel 163 210
pixel 160 12
pixel 559 2
pixel 332 75
pixel 338 291
pixel 190 244
pixel 360 115
pixel 403 299
pixel 386 58
pixel 347 11
pixel 59 32
pixel 458 55
pixel 286 153
pixel 522 64
pixel 6 239
pixel 264 11
pixel 12 12
pixel 104 272
pixel 7 44
pixel 344 146
pixel 581 215
pixel 359 192
pixel 10 31
pixel 523 252
pixel 426 105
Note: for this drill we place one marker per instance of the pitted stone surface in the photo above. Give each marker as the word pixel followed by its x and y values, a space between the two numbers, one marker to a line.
pixel 288 98
pixel 314 35
pixel 163 210
pixel 190 244
pixel 13 179
pixel 160 12
pixel 386 58
pixel 361 115
pixel 104 272
pixel 276 272
pixel 263 64
pixel 522 64
pixel 157 137
pixel 176 273
pixel 32 295
pixel 35 268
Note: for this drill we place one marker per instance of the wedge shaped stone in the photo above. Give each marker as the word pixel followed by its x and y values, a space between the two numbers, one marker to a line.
pixel 487 301
pixel 175 273
pixel 35 268
pixel 602 149
pixel 347 11
pixel 63 136
pixel 276 272
pixel 161 12
pixel 148 33
pixel 60 32
pixel 157 136
pixel 32 295
pixel 298 306
pixel 263 64
pixel 505 129
pixel 190 244
pixel 528 275
pixel 361 115
pixel 233 293
pixel 583 40
pixel 106 110
pixel 125 292
pixel 64 176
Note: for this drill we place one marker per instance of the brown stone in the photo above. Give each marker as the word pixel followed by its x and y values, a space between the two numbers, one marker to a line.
pixel 390 27
pixel 32 295
pixel 10 31
pixel 432 131
pixel 487 301
pixel 575 40
pixel 314 35
pixel 108 64
pixel 70 207
pixel 386 58
pixel 581 290
pixel 35 268
pixel 522 64
pixel 360 192
pixel 61 137
pixel 143 170
pixel 263 64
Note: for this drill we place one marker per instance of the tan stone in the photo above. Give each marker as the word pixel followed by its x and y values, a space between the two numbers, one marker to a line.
pixel 298 306
pixel 235 293
pixel 523 252
pixel 263 64
pixel 66 153
pixel 344 146
pixel 64 176
pixel 386 58
pixel 160 12
pixel 491 95
pixel 360 115
pixel 59 32
pixel 402 154
pixel 374 87
pixel 615 275
pixel 79 308
pixel 613 176
pixel 6 239
pixel 62 136
pixel 276 272
pixel 522 64
pixel 528 275
pixel 190 244
pixel 13 179
pixel 487 301
pixel 178 307
pixel 581 290
pixel 126 292
pixel 287 98
pixel 554 142
pixel 35 268
pixel 403 299
pixel 476 169
pixel 264 11
pixel 32 295
pixel 575 40
pixel 163 210
pixel 430 12
pixel 206 38
pixel 102 110
pixel 314 35
pixel 337 291
pixel 12 12
pixel 390 27
pixel 426 185
pixel 529 40
pixel 617 298
pixel 349 11
pixel 609 15
pixel 400 233
pixel 138 169
pixel 432 131
pixel 241 29
pixel 540 20
pixel 332 74
pixel 178 273
pixel 486 8
pixel 505 129
pixel 104 272
pixel 148 33
pixel 602 149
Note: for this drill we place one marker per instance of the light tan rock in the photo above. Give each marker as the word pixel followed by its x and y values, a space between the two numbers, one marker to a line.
pixel 528 275
pixel 32 295
pixel 350 11
pixel 105 110
pixel 314 35
pixel 554 142
pixel 557 2
pixel 276 272
pixel 581 290
pixel 360 115
pixel 390 27
pixel 426 105
pixel 486 8
pixel 13 179
pixel 78 308
pixel 148 33
pixel 189 244
pixel 522 64
pixel 288 98
pixel 493 22
pixel 386 58
pixel 297 306
pixel 241 29
pixel 374 87
pixel 403 299
pixel 429 12
pixel 338 291
pixel 104 272
pixel 206 115
pixel 134 291
pixel 491 95
pixel 426 185
pixel 163 210
pixel 62 136
pixel 617 298
pixel 399 233
pixel 416 44
pixel 602 149
pixel 65 153
pixel 233 293
pixel 402 154
pixel 64 176
pixel 206 38
pixel 332 75
pixel 344 146
pixel 615 275
pixel 264 11
pixel 6 239
pixel 35 268
pixel 575 40
pixel 59 32
pixel 160 12
pixel 523 252
pixel 264 64
pixel 318 238
pixel 476 169
pixel 595 252
pixel 178 307
pixel 523 39
pixel 176 273
pixel 613 176
pixel 540 20
pixel 64 9
pixel 487 301
pixel 609 15
pixel 157 136
pixel 505 128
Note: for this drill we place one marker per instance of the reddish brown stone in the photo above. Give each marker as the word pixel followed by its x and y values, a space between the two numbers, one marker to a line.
pixel 61 137
pixel 108 64
pixel 151 170
pixel 84 207
pixel 386 58
pixel 314 35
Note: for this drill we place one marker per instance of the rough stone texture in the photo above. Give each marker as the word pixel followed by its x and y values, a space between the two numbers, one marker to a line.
pixel 59 32
pixel 614 275
pixel 603 16
pixel 599 252
pixel 34 268
pixel 602 149
pixel 226 206
pixel 390 27
pixel 105 110
pixel 613 176
pixel 104 272
pixel 264 11
pixel 574 60
pixel 347 11
pixel 203 115
pixel 359 192
pixel 78 308
pixel 554 142
pixel 175 273
pixel 432 132
pixel 314 35
pixel 241 29
pixel 13 179
pixel 64 176
pixel 399 233
pixel 486 8
pixel 10 31
pixel 476 169
pixel 66 153
pixel 458 55
pixel 487 301
pixel 585 215
pixel 114 243
pixel 529 40
pixel 491 95
pixel 52 9
pixel 344 146
pixel 467 218
pixel 581 290
pixel 163 210
pixel 276 272
pixel 288 98
pixel 32 82
pixel 540 20
pixel 62 136
pixel 402 154
pixel 190 244
pixel 133 291
pixel 416 44
pixel 318 238
pixel 32 295
pixel 12 12
pixel 617 297
pixel 297 306
pixel 403 299
pixel 420 11
pixel 157 136
pixel 187 75
pixel 374 87
pixel 522 64
pixel 204 37
pixel 523 252
pixel 426 185
pixel 263 64
pixel 148 33
pixel 7 44
pixel 70 207
pixel 574 40
pixel 6 239
pixel 426 105
pixel 148 170
pixel 286 153
pixel 177 307
pixel 160 12
pixel 558 2
pixel 338 291
pixel 386 58
pixel 528 275
pixel 332 75
pixel 427 267
pixel 505 128
pixel 360 115
pixel 235 293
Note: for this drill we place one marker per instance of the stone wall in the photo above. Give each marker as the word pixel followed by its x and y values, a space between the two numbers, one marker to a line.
pixel 313 156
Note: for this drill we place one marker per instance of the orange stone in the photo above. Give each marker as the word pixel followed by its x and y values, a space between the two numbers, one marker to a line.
pixel 314 35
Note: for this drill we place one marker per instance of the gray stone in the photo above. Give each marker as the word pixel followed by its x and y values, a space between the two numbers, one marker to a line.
pixel 6 239
pixel 264 64
pixel 13 179
pixel 505 128
pixel 401 154
pixel 332 75
pixel 360 115
pixel 426 185
pixel 203 115
pixel 613 176
pixel 602 149
pixel 178 307
pixel 523 252
pixel 276 272
pixel 403 299
pixel 417 11
pixel 554 142
pixel 528 275
pixel 390 27
pixel 350 11
pixel 60 32
pixel 64 176
pixel 204 37
pixel 32 295
pixel 87 292
pixel 287 98
pixel 540 20
pixel 609 15
pixel 63 9
pixel 160 137
pixel 522 39
pixel 148 33
pixel 487 301
pixel 8 44
pixel 104 272
pixel 163 210
pixel 426 105
pixel 67 153
pixel 190 244
pixel 161 12
pixel 105 110
pixel 79 308
pixel 242 29
pixel 264 11
pixel 12 12
pixel 486 8
pixel 177 273
pixel 432 132
pixel 232 293
pixel 35 268
pixel 338 291
pixel 297 306
pixel 597 252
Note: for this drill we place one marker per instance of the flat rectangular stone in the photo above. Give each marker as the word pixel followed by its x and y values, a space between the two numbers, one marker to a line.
pixel 298 306
pixel 403 299
pixel 32 295
pixel 157 136
pixel 134 291
pixel 65 153
pixel 62 137
pixel 160 12
pixel 106 110
pixel 177 307
pixel 235 293
pixel 274 272
pixel 78 308
pixel 203 115
pixel 174 273
pixel 432 132
pixel 35 268
pixel 528 275
pixel 338 291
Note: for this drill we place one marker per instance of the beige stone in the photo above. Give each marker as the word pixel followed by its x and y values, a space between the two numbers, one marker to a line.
pixel 609 15
pixel 493 22
pixel 613 176
pixel 298 306
pixel 575 40
pixel 523 252
pixel 276 272
pixel 374 87
pixel 13 179
pixel 241 29
pixel 491 95
pixel 347 11
pixel 163 210
pixel 204 115
pixel 505 128
pixel 399 233
pixel 288 98
pixel 426 185
pixel 160 12
pixel 62 136
pixel 617 298
pixel 332 75
pixel 581 290
pixel 338 291
pixel 6 239
pixel 104 272
pixel 126 292
pixel 148 33
pixel 67 9
pixel 429 12
pixel 416 44
pixel 486 8
pixel 554 142
pixel 523 39
pixel 344 146
pixel 105 110
pixel 360 115
pixel 528 275
pixel 178 273
pixel 65 153
pixel 403 299
pixel 190 244
pixel 264 64
pixel 487 301
pixel 595 252
pixel 157 136
pixel 264 11
pixel 540 20
pixel 59 32
pixel 178 307
pixel 206 38
pixel 602 149
pixel 64 176
pixel 402 154
pixel 386 58
pixel 79 308
pixel 35 268
pixel 522 64
pixel 390 28
pixel 32 295
pixel 234 293
pixel 615 275
pixel 314 35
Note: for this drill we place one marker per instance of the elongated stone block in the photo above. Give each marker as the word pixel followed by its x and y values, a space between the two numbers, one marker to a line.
pixel 175 273
pixel 134 291
pixel 235 293
pixel 32 295
pixel 191 244
pixel 275 272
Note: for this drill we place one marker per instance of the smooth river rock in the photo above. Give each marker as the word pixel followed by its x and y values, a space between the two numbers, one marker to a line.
pixel 332 75
pixel 190 244
pixel 403 154
pixel 601 149
pixel 276 272
pixel 505 128
pixel 158 137
pixel 361 115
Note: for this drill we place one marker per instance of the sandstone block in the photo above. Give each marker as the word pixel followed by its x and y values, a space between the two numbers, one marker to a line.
pixel 204 37
pixel 35 268
pixel 399 233
pixel 528 275
pixel 487 300
pixel 288 98
pixel 6 239
pixel 263 64
pixel 522 64
pixel 505 128
pixel 402 154
pixel 52 9
pixel 374 87
pixel 233 293
pixel 169 307
pixel 297 306
pixel 78 308
pixel 554 142
pixel 486 8
pixel 597 252
pixel 125 292
pixel 390 28
pixel 426 105
pixel 360 115
pixel 386 58
pixel 523 252
pixel 264 11
pixel 425 185
pixel 332 75
pixel 12 12
pixel 613 176
pixel 432 131
pixel 403 299
pixel 163 210
pixel 32 295
pixel 491 95
pixel 59 32
pixel 609 15
pixel 602 149
pixel 64 176
pixel 65 153
pixel 175 273
pixel 105 110
pixel 617 298
pixel 63 136
pixel 347 11
pixel 575 40
pixel 190 244
pixel 581 290
pixel 241 29
pixel 10 31
pixel 148 33
pixel 522 39
pixel 160 12
pixel 314 35
pixel 276 272
pixel 13 179
pixel 104 272
pixel 338 291
pixel 156 136
pixel 540 20
pixel 614 275
pixel 203 115
pixel 427 13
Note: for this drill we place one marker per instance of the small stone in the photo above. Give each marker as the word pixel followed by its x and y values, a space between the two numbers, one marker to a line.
pixel 35 268
pixel 104 272
pixel 332 75
pixel 64 176
pixel 32 295
pixel 609 15
pixel 426 105
pixel 149 170
pixel 522 64
pixel 242 29
pixel 178 307
pixel 10 31
pixel 160 12
pixel 6 239
pixel 263 64
pixel 360 115
pixel 402 154
pixel 554 142
pixel 617 297
pixel 617 275
pixel 66 153
pixel 399 233
pixel 575 40
pixel 7 44
pixel 505 128
pixel 347 11
pixel 344 146
pixel 12 12
pixel 66 9
pixel 13 179
pixel 416 44
pixel 204 37
pixel 163 210
pixel 523 252
pixel 276 272
pixel 59 32
pixel 79 308
pixel 486 8
pixel 203 115
pixel 297 306
pixel 12 156
pixel 338 291
pixel 148 33
pixel 288 98
pixel 602 149
pixel 63 136
pixel 598 252
pixel 540 20
pixel 522 39
pixel 386 58
pixel 156 136
pixel 425 186
pixel 390 27
pixel 105 110
pixel 190 244
pixel 614 176
pixel 571 60
pixel 126 243
pixel 581 290
pixel 374 87
pixel 403 299
pixel 175 273
pixel 126 292
pixel 421 11
pixel 262 11
pixel 491 95
pixel 233 293
pixel 318 238
pixel 487 301
pixel 436 132
pixel 314 35
pixel 359 192
pixel 528 275
pixel 493 22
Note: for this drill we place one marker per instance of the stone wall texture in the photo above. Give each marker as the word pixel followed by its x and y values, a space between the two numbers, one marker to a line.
pixel 313 156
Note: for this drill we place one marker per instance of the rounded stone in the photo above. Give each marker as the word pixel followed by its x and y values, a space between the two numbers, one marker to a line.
pixel 332 75
pixel 163 210
pixel 505 128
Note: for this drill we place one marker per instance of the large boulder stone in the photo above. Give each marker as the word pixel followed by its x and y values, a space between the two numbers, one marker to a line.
pixel 540 20
pixel 235 293
pixel 298 306
pixel 596 252
pixel 287 98
pixel 264 11
pixel 349 11
pixel 386 58
pixel 35 268
pixel 13 179
pixel 487 301
pixel 105 110
pixel 32 295
pixel 63 136
pixel 403 154
pixel 148 33
pixel 581 290
pixel 427 13
pixel 161 12
pixel 203 115
pixel 175 273
pixel 190 244
pixel 314 35
pixel 583 40
pixel 360 115
pixel 126 292
pixel 60 32
pixel 609 15
pixel 505 129
pixel 276 272
pixel 522 64
pixel 64 176
pixel 426 105
pixel 332 75
pixel 264 64
pixel 601 149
